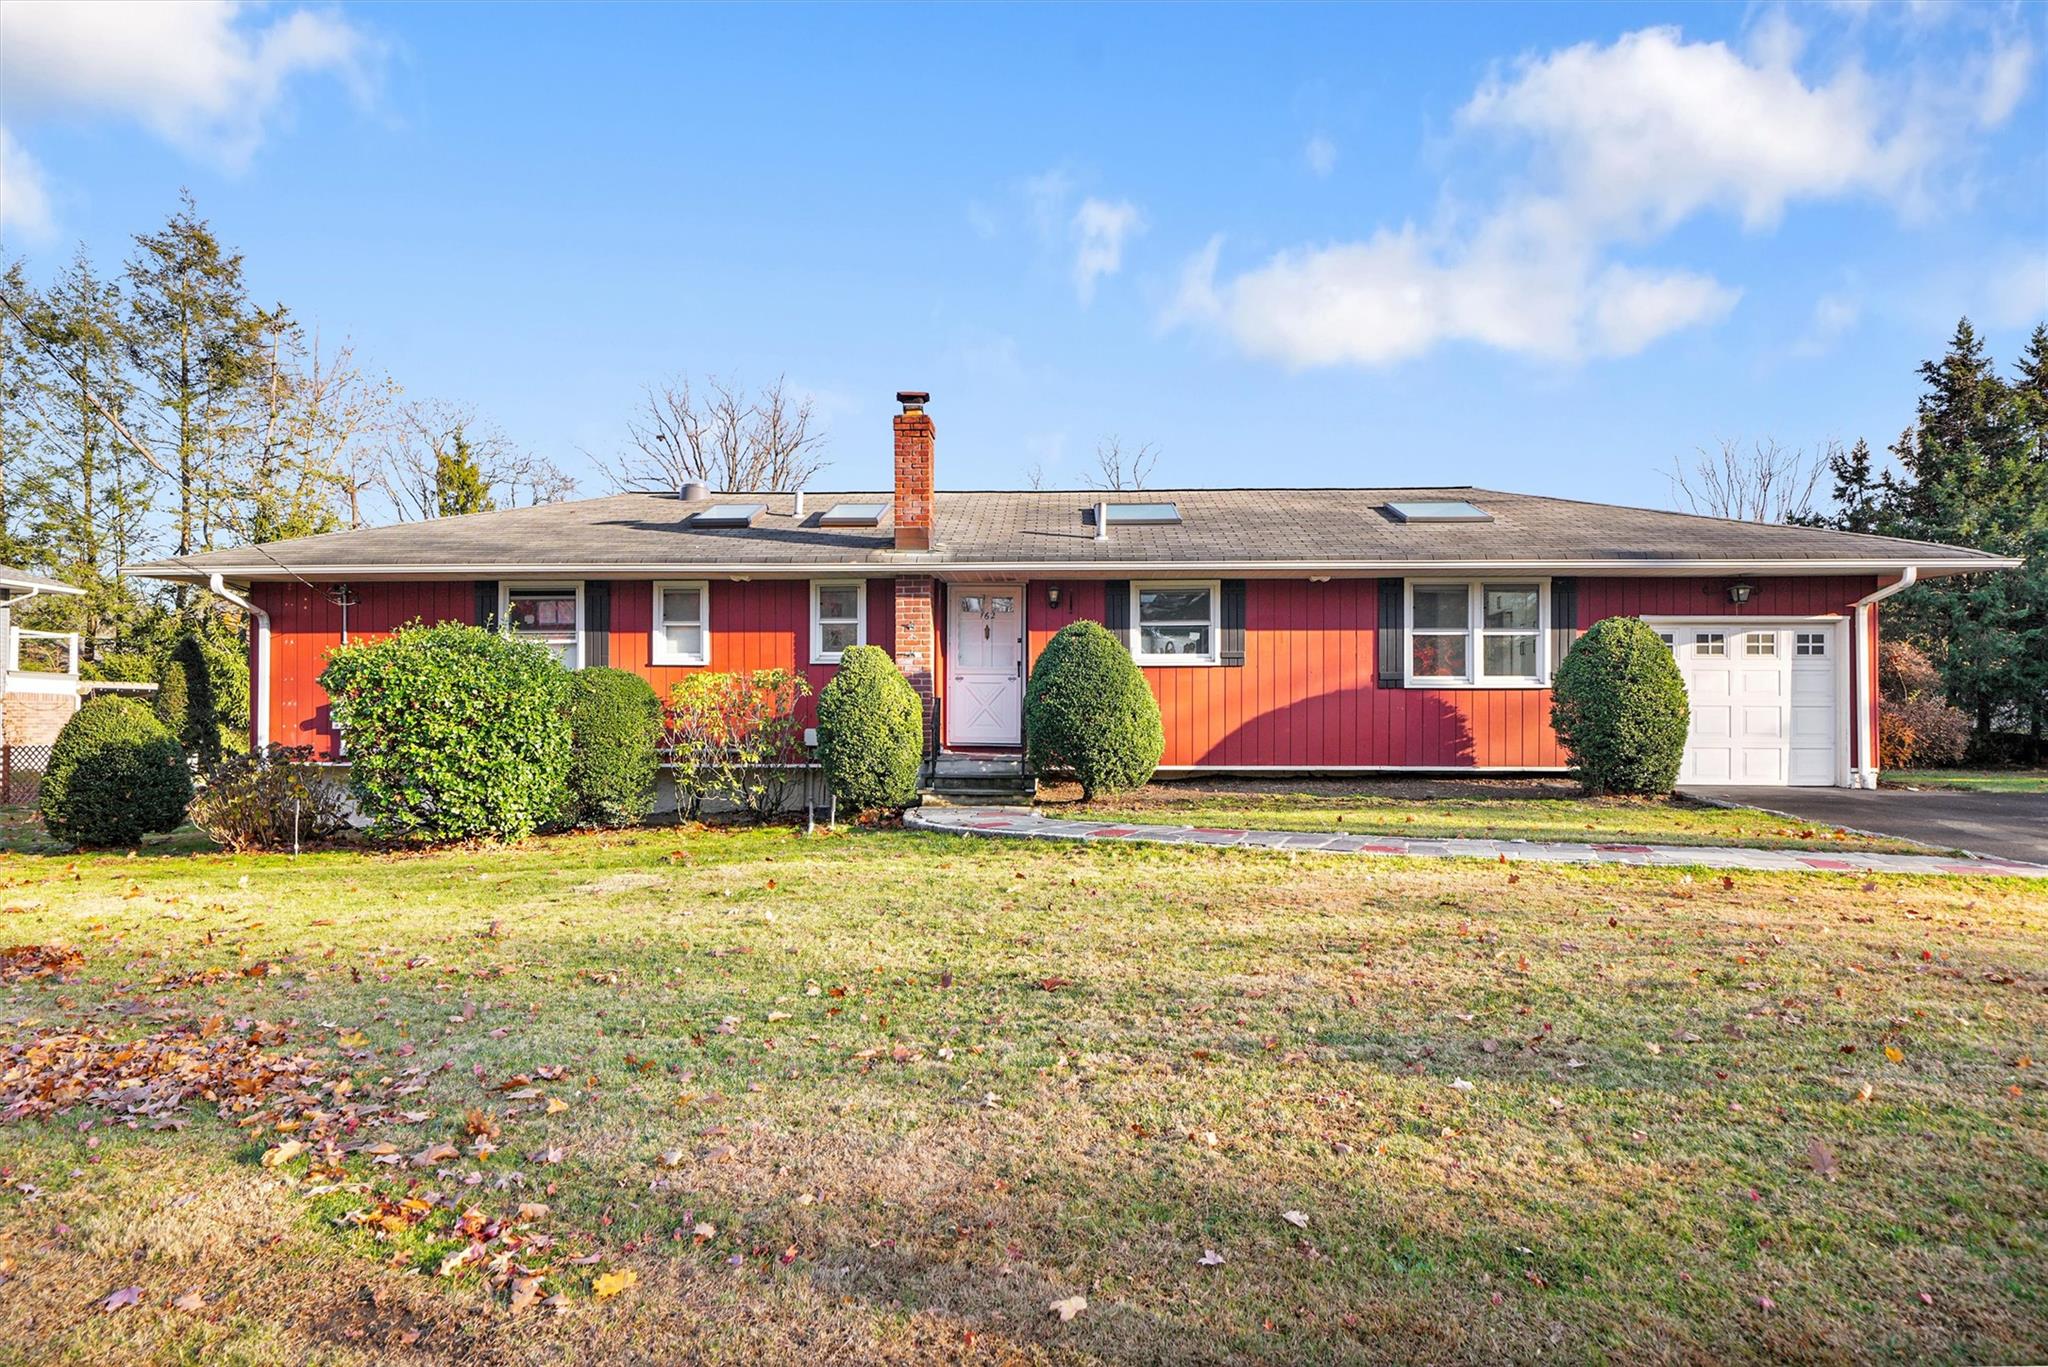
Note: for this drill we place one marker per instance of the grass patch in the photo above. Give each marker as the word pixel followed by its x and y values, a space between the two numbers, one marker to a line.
pixel 919 1087
pixel 1539 810
pixel 1972 780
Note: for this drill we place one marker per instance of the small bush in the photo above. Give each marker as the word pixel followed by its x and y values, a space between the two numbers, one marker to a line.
pixel 202 697
pixel 114 775
pixel 1088 711
pixel 452 732
pixel 735 738
pixel 1916 728
pixel 1620 710
pixel 614 729
pixel 261 800
pixel 870 731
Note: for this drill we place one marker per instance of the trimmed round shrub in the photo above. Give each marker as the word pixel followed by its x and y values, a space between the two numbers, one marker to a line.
pixel 614 727
pixel 1619 707
pixel 202 696
pixel 114 775
pixel 1089 712
pixel 267 799
pixel 452 732
pixel 870 731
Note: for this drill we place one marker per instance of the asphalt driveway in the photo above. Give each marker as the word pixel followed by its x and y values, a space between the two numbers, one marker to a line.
pixel 2002 825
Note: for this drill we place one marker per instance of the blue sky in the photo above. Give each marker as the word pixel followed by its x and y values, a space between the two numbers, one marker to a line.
pixel 1545 248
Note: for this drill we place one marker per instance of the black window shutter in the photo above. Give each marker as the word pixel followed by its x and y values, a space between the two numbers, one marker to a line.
pixel 597 623
pixel 1116 609
pixel 1564 619
pixel 1230 650
pixel 486 602
pixel 1393 634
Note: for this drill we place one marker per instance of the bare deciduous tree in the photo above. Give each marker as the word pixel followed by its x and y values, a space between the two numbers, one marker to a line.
pixel 1765 483
pixel 422 435
pixel 727 438
pixel 1120 470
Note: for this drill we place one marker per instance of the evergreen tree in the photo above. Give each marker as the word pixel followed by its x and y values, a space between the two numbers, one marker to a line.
pixel 1971 472
pixel 195 345
pixel 459 483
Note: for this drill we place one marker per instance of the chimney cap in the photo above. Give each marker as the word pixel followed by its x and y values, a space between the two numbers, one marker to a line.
pixel 912 399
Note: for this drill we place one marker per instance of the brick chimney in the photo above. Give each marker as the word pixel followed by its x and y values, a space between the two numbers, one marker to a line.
pixel 913 473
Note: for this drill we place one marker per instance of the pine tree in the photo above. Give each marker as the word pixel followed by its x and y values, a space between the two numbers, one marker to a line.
pixel 22 371
pixel 459 483
pixel 195 345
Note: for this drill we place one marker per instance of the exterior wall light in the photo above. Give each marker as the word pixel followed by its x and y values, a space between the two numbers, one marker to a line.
pixel 1739 591
pixel 1052 595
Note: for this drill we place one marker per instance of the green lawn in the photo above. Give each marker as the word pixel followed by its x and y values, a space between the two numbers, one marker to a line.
pixel 1499 810
pixel 889 1096
pixel 1978 780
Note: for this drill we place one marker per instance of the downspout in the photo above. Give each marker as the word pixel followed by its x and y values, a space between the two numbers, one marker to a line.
pixel 259 681
pixel 1864 677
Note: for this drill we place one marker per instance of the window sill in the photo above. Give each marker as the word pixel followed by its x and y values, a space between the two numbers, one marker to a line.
pixel 1476 683
pixel 673 662
pixel 822 660
pixel 1174 662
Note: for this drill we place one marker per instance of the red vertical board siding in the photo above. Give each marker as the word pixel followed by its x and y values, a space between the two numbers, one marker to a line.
pixel 1307 695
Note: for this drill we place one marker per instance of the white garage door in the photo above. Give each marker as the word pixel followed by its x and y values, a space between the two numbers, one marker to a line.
pixel 1763 702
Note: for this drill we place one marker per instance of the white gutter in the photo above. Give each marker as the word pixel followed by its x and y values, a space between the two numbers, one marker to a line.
pixel 1864 678
pixel 259 671
pixel 889 563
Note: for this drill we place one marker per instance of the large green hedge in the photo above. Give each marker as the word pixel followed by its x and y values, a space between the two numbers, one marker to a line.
pixel 1088 712
pixel 870 731
pixel 452 732
pixel 202 697
pixel 1620 710
pixel 614 729
pixel 114 775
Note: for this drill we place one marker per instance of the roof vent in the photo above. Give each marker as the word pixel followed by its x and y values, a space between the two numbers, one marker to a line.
pixel 696 491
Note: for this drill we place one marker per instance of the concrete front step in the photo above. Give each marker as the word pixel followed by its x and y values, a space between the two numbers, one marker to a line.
pixel 1018 799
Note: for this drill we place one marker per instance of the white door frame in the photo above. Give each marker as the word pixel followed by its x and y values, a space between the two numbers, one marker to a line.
pixel 954 590
pixel 1838 645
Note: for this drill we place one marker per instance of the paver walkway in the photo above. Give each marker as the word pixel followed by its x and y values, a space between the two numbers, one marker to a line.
pixel 1029 824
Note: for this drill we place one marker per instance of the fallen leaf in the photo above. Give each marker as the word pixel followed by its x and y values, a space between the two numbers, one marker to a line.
pixel 191 1300
pixel 1210 1258
pixel 1295 1218
pixel 283 1153
pixel 1893 1052
pixel 610 1284
pixel 1068 1308
pixel 525 1291
pixel 1823 1159
pixel 122 1299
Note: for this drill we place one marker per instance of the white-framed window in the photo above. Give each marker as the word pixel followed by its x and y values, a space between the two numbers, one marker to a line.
pixel 1478 632
pixel 1758 643
pixel 1176 622
pixel 682 622
pixel 839 618
pixel 1810 643
pixel 1707 643
pixel 550 614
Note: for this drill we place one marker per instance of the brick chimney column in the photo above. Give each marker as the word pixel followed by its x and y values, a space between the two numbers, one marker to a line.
pixel 917 641
pixel 913 509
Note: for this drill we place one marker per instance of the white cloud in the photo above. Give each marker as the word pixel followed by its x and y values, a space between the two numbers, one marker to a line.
pixel 207 78
pixel 24 200
pixel 1619 144
pixel 1833 316
pixel 2006 73
pixel 1099 229
pixel 1321 155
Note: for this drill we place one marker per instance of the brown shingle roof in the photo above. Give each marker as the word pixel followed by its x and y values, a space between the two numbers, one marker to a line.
pixel 1244 529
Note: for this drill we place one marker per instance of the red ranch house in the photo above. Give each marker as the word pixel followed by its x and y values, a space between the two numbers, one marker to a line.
pixel 1281 629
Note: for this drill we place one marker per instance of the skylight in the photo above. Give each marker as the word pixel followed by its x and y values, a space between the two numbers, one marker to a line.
pixel 852 515
pixel 1142 514
pixel 728 515
pixel 1439 511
